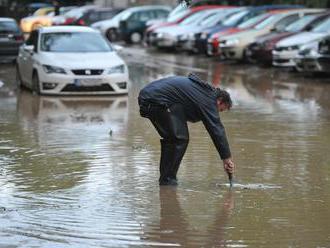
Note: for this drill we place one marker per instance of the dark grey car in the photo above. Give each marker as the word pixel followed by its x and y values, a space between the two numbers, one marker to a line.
pixel 11 38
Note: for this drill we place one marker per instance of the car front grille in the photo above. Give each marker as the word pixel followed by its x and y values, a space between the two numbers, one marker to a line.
pixel 95 88
pixel 88 72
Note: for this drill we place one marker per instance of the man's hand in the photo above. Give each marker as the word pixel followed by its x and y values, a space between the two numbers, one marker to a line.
pixel 228 165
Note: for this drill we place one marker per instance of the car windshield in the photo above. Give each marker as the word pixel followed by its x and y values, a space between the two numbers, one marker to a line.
pixel 214 19
pixel 8 26
pixel 72 42
pixel 323 27
pixel 76 13
pixel 193 18
pixel 177 16
pixel 253 21
pixel 300 24
pixel 232 20
pixel 266 22
pixel 182 7
pixel 121 16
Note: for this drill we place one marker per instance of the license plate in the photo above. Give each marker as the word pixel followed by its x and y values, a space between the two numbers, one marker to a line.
pixel 4 39
pixel 88 82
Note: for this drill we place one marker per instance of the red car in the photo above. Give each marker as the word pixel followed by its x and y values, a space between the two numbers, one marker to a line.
pixel 261 50
pixel 176 19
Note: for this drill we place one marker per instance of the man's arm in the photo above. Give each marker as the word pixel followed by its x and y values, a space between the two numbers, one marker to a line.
pixel 216 130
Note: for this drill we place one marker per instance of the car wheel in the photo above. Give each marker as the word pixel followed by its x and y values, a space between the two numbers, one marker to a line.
pixel 18 78
pixel 111 34
pixel 135 37
pixel 35 83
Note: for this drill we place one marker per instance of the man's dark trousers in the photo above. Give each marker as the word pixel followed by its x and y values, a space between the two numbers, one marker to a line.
pixel 171 124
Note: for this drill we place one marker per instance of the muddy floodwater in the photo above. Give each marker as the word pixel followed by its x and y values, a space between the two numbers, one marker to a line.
pixel 83 171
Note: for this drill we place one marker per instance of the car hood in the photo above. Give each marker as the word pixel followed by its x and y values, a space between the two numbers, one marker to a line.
pixel 248 35
pixel 178 30
pixel 274 36
pixel 82 60
pixel 300 39
pixel 112 23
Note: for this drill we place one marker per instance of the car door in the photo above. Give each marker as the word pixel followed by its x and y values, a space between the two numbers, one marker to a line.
pixel 139 19
pixel 27 57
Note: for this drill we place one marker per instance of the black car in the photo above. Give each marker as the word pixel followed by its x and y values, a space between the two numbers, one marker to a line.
pixel 95 15
pixel 11 38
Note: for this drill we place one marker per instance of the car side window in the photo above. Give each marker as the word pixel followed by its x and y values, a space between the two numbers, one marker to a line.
pixel 106 15
pixel 145 16
pixel 282 24
pixel 161 14
pixel 94 16
pixel 33 40
pixel 134 17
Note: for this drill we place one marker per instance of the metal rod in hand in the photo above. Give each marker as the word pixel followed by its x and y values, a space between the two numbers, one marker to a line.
pixel 231 181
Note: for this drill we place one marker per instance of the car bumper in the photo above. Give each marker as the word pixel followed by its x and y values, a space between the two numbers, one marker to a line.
pixel 284 58
pixel 232 53
pixel 63 84
pixel 166 42
pixel 313 64
pixel 259 55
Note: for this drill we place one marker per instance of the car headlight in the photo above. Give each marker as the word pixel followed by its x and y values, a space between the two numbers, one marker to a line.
pixel 230 43
pixel 117 69
pixel 53 69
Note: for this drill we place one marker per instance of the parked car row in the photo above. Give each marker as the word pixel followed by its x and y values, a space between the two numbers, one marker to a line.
pixel 115 23
pixel 278 35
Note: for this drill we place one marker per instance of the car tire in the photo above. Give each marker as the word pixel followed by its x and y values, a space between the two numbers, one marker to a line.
pixel 35 83
pixel 112 34
pixel 135 37
pixel 18 78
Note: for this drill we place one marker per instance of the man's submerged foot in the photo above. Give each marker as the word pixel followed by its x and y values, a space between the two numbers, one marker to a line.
pixel 168 181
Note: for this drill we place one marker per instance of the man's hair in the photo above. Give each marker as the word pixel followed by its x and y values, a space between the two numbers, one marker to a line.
pixel 224 96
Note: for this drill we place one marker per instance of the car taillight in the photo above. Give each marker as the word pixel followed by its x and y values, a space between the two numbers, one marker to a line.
pixel 19 37
pixel 82 22
pixel 68 21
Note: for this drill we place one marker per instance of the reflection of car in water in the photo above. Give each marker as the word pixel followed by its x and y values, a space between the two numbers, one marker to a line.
pixel 265 91
pixel 62 135
pixel 68 111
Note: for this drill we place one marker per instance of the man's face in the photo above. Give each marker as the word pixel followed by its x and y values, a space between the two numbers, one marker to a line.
pixel 222 106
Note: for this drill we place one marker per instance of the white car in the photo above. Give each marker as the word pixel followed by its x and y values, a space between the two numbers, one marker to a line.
pixel 286 50
pixel 70 60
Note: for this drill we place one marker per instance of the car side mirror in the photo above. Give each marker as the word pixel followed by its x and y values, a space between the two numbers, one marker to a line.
pixel 29 48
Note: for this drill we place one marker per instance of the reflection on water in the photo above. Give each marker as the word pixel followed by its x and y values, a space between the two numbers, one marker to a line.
pixel 82 171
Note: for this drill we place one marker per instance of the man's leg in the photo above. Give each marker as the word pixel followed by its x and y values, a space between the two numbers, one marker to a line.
pixel 172 127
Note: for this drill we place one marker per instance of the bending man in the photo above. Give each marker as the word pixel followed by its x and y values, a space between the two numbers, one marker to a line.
pixel 169 103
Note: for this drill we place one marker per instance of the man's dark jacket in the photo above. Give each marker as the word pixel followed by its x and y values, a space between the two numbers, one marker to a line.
pixel 198 99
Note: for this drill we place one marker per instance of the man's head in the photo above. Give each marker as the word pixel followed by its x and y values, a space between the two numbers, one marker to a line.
pixel 223 100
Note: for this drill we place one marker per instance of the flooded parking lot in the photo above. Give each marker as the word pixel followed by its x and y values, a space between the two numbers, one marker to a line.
pixel 83 171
